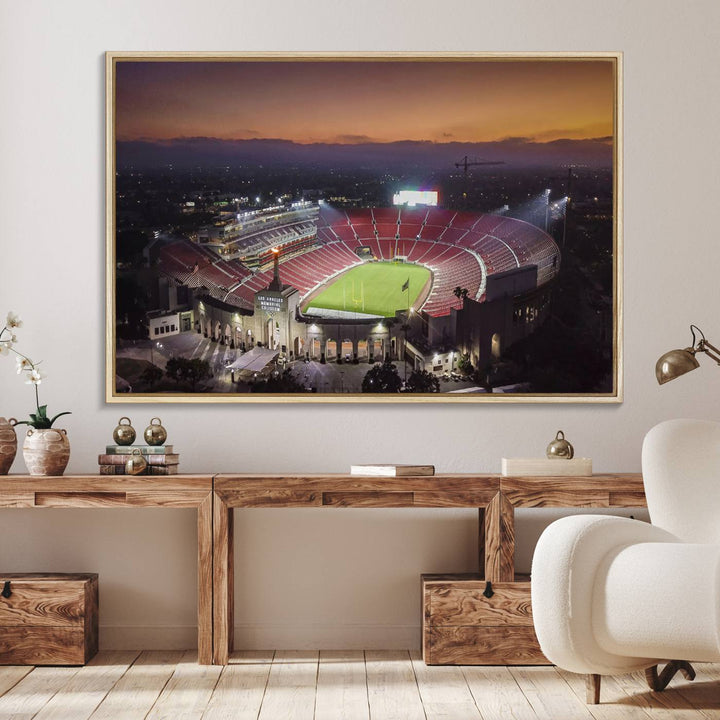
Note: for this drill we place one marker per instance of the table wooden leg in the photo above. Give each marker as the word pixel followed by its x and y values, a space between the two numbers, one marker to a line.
pixel 499 540
pixel 223 581
pixel 205 580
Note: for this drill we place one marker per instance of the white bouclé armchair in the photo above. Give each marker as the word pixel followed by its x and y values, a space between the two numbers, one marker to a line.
pixel 613 595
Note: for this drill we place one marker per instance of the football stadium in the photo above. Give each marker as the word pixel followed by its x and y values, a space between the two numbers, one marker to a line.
pixel 318 282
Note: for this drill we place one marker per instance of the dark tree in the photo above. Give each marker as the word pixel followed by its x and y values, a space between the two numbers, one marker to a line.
pixel 422 381
pixel 283 383
pixel 464 364
pixel 382 379
pixel 151 375
pixel 129 245
pixel 188 372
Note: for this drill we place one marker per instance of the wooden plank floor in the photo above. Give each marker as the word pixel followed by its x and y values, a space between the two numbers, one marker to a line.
pixel 344 685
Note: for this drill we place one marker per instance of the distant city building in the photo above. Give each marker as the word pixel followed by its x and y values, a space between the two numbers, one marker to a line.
pixel 161 325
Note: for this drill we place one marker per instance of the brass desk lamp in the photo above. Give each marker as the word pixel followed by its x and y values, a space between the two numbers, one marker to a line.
pixel 677 362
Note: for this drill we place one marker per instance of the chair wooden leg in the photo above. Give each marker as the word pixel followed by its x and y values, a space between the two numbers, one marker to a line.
pixel 658 682
pixel 592 689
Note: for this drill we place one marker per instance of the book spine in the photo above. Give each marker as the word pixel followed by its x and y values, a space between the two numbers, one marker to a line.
pixel 173 459
pixel 149 470
pixel 112 469
pixel 393 471
pixel 144 449
pixel 162 470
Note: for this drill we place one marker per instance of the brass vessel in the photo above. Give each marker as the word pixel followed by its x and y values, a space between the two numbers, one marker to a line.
pixel 155 433
pixel 560 448
pixel 136 463
pixel 124 433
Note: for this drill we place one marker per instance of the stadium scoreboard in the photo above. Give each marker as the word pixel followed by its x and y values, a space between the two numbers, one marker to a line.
pixel 415 197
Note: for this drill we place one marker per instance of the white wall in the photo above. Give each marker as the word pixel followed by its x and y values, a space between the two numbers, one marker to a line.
pixel 331 578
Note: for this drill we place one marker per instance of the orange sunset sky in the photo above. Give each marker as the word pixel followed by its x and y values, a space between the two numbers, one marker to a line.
pixel 354 102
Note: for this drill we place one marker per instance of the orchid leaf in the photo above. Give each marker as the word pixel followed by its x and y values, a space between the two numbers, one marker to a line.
pixel 67 412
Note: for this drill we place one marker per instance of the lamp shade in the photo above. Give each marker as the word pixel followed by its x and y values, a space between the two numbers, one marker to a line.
pixel 675 363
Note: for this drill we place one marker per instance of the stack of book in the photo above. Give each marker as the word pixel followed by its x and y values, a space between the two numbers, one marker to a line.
pixel 392 470
pixel 160 459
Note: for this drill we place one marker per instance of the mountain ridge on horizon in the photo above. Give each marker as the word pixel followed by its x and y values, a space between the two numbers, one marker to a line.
pixel 512 152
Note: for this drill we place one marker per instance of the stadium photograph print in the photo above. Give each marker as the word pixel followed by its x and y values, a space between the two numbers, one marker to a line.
pixel 364 227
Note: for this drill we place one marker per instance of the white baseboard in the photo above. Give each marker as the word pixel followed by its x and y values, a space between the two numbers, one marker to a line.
pixel 265 637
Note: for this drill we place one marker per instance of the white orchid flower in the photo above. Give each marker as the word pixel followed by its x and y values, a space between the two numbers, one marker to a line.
pixel 5 346
pixel 13 320
pixel 35 377
pixel 23 364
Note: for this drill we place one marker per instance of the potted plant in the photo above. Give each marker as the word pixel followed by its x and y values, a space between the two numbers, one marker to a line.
pixel 46 449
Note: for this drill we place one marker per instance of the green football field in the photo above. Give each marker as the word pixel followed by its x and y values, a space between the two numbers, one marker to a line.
pixel 374 288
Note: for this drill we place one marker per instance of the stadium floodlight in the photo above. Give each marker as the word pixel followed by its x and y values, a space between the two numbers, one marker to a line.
pixel 678 362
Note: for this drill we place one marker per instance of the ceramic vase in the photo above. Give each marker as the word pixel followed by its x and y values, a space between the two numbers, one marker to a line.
pixel 46 452
pixel 8 445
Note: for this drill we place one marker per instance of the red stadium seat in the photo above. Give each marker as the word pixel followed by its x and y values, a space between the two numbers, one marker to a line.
pixel 460 248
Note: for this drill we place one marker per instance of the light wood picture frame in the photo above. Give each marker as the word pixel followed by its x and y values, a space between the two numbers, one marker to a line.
pixel 366 227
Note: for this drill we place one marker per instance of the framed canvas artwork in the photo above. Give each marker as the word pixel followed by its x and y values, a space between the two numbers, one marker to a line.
pixel 365 227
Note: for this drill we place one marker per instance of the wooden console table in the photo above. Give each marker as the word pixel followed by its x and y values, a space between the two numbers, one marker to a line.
pixel 92 491
pixel 215 498
pixel 495 497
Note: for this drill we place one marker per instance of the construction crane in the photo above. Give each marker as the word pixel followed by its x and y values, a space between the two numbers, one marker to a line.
pixel 466 162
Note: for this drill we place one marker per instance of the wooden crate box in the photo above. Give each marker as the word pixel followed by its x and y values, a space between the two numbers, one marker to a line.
pixel 48 618
pixel 461 626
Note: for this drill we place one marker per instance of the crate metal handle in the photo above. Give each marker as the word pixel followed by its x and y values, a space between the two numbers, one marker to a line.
pixel 6 592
